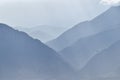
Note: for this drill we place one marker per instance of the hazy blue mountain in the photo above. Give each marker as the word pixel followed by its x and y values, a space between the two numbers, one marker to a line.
pixel 25 58
pixel 44 33
pixel 84 49
pixel 103 66
pixel 103 22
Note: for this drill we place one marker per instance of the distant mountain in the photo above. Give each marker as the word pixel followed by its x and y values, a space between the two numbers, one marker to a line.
pixel 44 33
pixel 35 33
pixel 103 66
pixel 103 22
pixel 84 49
pixel 25 58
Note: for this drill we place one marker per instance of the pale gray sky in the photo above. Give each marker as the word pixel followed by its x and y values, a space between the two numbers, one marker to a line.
pixel 110 2
pixel 59 13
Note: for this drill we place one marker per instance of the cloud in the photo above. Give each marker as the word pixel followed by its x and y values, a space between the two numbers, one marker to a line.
pixel 110 2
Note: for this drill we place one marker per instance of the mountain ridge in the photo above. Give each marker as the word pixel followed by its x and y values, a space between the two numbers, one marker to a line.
pixel 82 51
pixel 87 28
pixel 104 66
pixel 22 57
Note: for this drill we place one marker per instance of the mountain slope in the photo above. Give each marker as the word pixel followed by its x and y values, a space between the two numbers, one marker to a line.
pixel 84 49
pixel 24 58
pixel 103 66
pixel 35 33
pixel 101 23
pixel 44 32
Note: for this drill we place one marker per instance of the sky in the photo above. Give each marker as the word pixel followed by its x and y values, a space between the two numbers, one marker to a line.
pixel 110 2
pixel 57 13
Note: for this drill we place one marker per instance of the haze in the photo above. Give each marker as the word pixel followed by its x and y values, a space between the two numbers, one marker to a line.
pixel 58 13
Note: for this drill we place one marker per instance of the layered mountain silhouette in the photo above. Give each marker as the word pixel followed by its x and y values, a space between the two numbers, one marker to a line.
pixel 35 33
pixel 25 58
pixel 101 23
pixel 44 32
pixel 103 66
pixel 84 49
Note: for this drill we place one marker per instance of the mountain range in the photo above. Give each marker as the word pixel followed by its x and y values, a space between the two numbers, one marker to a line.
pixel 101 23
pixel 84 49
pixel 88 51
pixel 25 58
pixel 43 33
pixel 103 66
